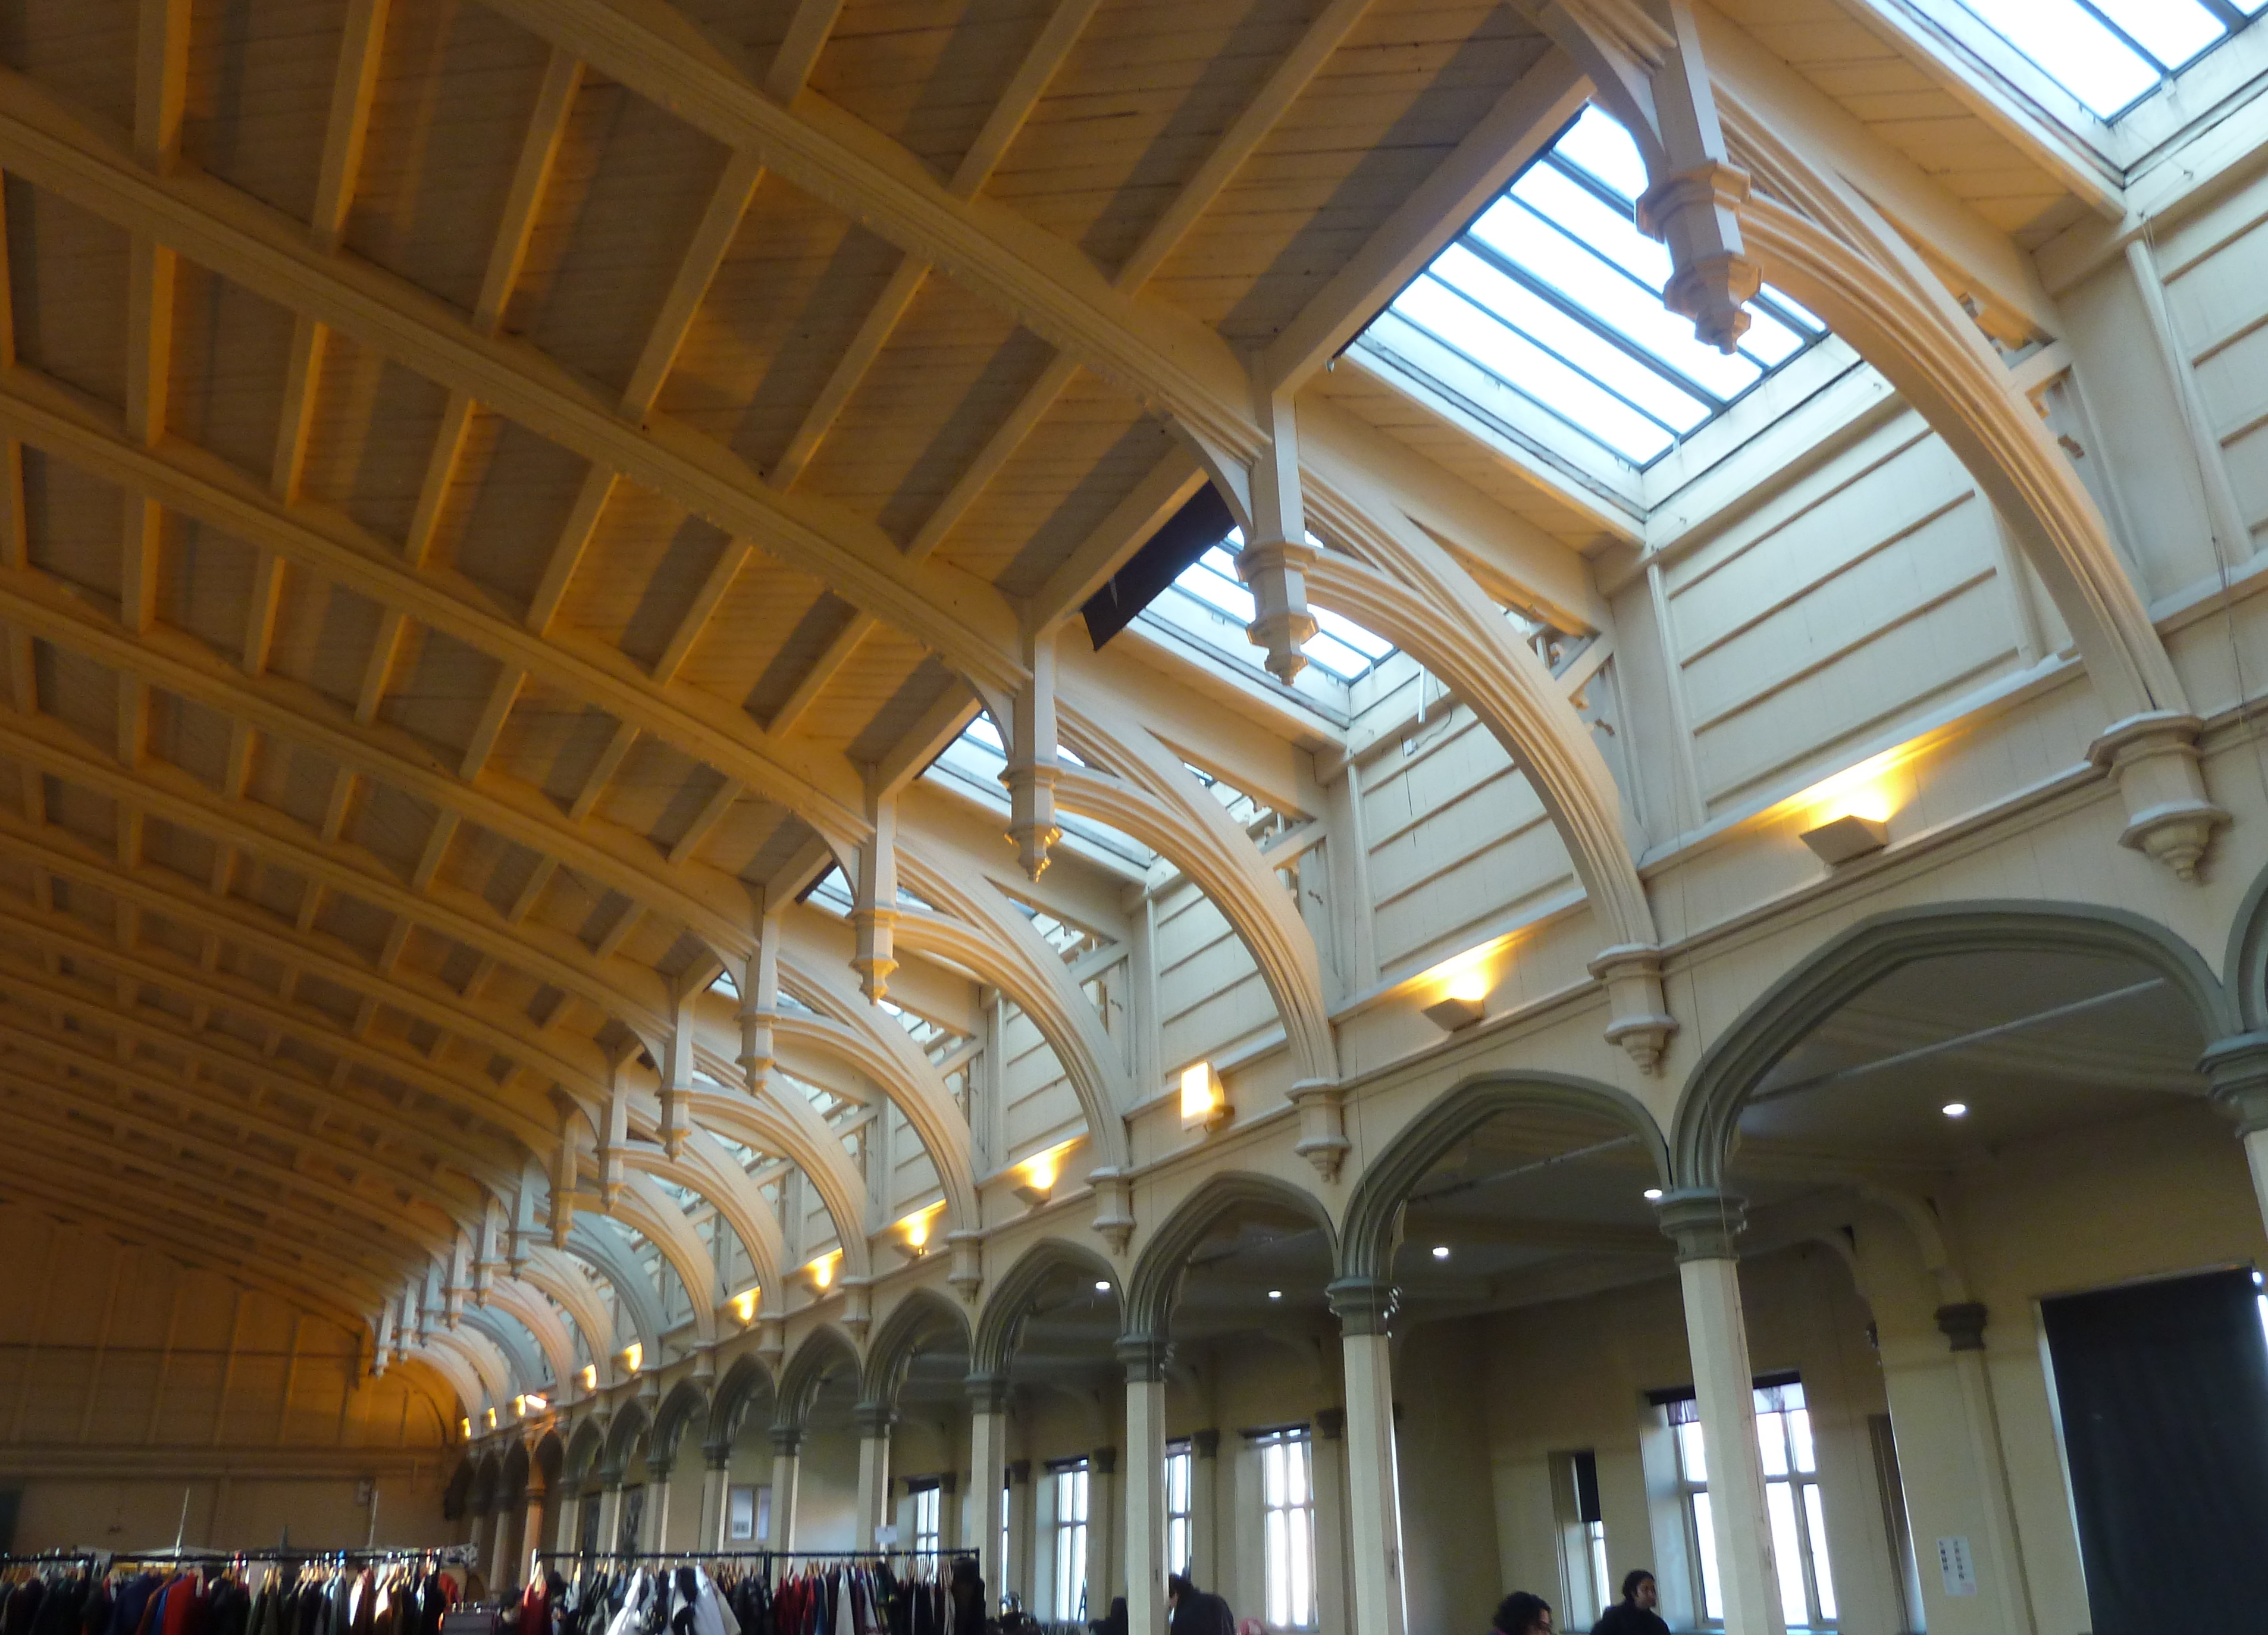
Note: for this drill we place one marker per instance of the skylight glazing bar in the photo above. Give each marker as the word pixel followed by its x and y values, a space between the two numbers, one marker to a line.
pixel 2112 54
pixel 1540 344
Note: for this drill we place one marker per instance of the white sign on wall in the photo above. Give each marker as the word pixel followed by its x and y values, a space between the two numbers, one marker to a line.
pixel 1953 1560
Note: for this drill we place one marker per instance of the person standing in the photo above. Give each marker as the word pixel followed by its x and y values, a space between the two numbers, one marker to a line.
pixel 1635 1614
pixel 1196 1612
pixel 1521 1613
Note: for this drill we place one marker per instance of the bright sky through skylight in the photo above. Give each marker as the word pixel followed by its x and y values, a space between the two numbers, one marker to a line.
pixel 1340 646
pixel 2111 54
pixel 1556 292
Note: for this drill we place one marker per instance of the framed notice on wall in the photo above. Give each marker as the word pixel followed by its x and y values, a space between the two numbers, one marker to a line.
pixel 741 1515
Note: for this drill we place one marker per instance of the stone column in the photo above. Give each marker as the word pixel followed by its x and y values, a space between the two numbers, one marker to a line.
pixel 1333 1589
pixel 787 1469
pixel 1144 1356
pixel 988 1464
pixel 610 1512
pixel 1103 1531
pixel 568 1517
pixel 1204 1507
pixel 480 1535
pixel 1963 1327
pixel 1365 1313
pixel 500 1573
pixel 716 1494
pixel 873 1420
pixel 1704 1224
pixel 1016 1508
pixel 531 1532
pixel 2237 1069
pixel 653 1526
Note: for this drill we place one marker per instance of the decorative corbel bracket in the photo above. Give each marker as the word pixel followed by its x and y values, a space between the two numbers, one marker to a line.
pixel 968 1274
pixel 614 1138
pixel 1638 1016
pixel 2155 758
pixel 1114 1208
pixel 874 914
pixel 381 1347
pixel 1322 1125
pixel 1029 776
pixel 677 1057
pixel 523 1215
pixel 1276 555
pixel 490 1259
pixel 759 1004
pixel 1693 201
pixel 566 1169
pixel 461 1278
pixel 858 1306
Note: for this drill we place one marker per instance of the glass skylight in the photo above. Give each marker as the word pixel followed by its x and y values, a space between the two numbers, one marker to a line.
pixel 2112 54
pixel 1339 646
pixel 1554 293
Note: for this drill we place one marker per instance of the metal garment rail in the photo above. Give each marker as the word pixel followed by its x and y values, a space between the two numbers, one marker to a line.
pixel 689 1557
pixel 174 1556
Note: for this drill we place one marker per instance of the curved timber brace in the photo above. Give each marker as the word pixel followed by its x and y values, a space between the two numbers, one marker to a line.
pixel 677 1055
pixel 759 1011
pixel 616 1135
pixel 1693 201
pixel 1030 775
pixel 566 1166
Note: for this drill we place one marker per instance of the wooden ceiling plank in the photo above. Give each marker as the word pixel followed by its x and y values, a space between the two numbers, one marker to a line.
pixel 799 49
pixel 303 367
pixel 849 369
pixel 133 720
pixel 813 682
pixel 493 715
pixel 340 807
pixel 354 92
pixel 539 150
pixel 377 669
pixel 1245 134
pixel 728 568
pixel 435 848
pixel 619 932
pixel 601 773
pixel 532 892
pixel 260 610
pixel 574 538
pixel 712 812
pixel 697 270
pixel 440 472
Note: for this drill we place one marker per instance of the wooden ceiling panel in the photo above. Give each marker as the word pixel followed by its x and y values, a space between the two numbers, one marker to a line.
pixel 294 781
pixel 67 274
pixel 647 784
pixel 83 49
pixel 1377 119
pixel 207 586
pixel 369 438
pixel 393 826
pixel 654 613
pixel 184 851
pixel 507 509
pixel 456 84
pixel 611 233
pixel 257 94
pixel 552 740
pixel 956 367
pixel 770 627
pixel 438 693
pixel 230 351
pixel 1041 505
pixel 81 695
pixel 189 736
pixel 927 72
pixel 923 685
pixel 323 635
pixel 356 923
pixel 632 538
pixel 843 711
pixel 1145 96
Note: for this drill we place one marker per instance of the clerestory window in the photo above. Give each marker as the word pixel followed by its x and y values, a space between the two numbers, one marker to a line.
pixel 1791 1504
pixel 2113 53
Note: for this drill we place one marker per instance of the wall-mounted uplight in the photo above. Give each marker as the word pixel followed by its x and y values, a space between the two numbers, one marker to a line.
pixel 1955 1109
pixel 535 1402
pixel 744 1304
pixel 634 1355
pixel 1037 1176
pixel 916 1230
pixel 590 1376
pixel 1204 1099
pixel 822 1272
pixel 491 1413
pixel 466 1425
pixel 1848 816
pixel 1463 1001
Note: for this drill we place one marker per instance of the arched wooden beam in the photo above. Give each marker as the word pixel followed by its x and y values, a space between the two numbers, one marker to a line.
pixel 600 1243
pixel 748 1378
pixel 535 1313
pixel 920 1317
pixel 825 1353
pixel 819 1155
pixel 686 1404
pixel 1155 1284
pixel 519 1350
pixel 1000 1324
pixel 653 1212
pixel 562 1276
pixel 708 1170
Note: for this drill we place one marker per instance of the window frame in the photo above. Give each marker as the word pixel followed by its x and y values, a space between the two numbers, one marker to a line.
pixel 1287 1551
pixel 1068 1538
pixel 927 1495
pixel 1777 1398
pixel 1181 1508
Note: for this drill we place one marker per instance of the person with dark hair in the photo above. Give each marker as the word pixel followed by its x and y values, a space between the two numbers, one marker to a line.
pixel 964 1595
pixel 1634 1614
pixel 1113 1622
pixel 1520 1613
pixel 1196 1611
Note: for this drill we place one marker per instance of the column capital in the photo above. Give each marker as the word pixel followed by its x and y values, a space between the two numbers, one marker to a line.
pixel 1330 1424
pixel 1019 1471
pixel 1205 1444
pixel 2237 1070
pixel 1963 1325
pixel 874 1419
pixel 988 1393
pixel 657 1471
pixel 1363 1305
pixel 717 1455
pixel 787 1440
pixel 1143 1356
pixel 1104 1461
pixel 1702 1222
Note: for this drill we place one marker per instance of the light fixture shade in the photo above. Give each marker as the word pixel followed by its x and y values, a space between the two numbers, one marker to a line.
pixel 1846 839
pixel 1450 1014
pixel 1204 1099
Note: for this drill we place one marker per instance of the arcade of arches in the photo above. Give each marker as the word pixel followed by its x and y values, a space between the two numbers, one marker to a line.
pixel 1392 798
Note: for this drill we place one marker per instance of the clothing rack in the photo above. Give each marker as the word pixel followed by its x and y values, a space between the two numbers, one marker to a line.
pixel 445 1555
pixel 689 1557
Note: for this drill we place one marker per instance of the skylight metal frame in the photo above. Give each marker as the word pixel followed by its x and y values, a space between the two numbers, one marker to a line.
pixel 2233 20
pixel 1806 329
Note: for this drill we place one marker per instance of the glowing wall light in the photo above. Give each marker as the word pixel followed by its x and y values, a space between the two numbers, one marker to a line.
pixel 744 1304
pixel 535 1402
pixel 822 1272
pixel 1204 1099
pixel 1848 816
pixel 916 1230
pixel 1037 1176
pixel 590 1376
pixel 1464 996
pixel 634 1355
